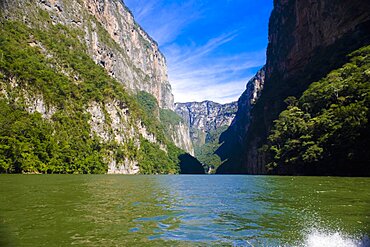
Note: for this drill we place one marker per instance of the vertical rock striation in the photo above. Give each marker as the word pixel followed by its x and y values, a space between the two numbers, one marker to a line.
pixel 307 39
pixel 180 135
pixel 101 33
pixel 204 117
pixel 114 40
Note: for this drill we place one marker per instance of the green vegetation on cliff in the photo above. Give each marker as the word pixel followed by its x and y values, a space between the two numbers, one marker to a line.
pixel 169 117
pixel 327 130
pixel 51 62
pixel 206 153
pixel 148 103
pixel 28 143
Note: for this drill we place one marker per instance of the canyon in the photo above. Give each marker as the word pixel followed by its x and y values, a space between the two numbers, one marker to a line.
pixel 96 82
pixel 206 121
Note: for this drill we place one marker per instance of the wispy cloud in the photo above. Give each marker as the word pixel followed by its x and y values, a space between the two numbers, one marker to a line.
pixel 202 64
pixel 221 93
pixel 144 10
pixel 197 75
pixel 185 54
pixel 165 21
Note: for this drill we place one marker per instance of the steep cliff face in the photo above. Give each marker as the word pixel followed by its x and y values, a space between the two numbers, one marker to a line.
pixel 70 70
pixel 207 120
pixel 204 117
pixel 114 40
pixel 180 135
pixel 233 138
pixel 307 39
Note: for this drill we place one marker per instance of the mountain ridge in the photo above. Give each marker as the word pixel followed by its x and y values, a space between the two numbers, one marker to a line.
pixel 206 121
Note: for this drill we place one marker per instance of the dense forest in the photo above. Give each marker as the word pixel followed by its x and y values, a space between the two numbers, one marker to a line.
pixel 326 130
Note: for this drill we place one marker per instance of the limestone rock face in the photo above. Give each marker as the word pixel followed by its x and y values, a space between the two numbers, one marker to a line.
pixel 116 42
pixel 113 38
pixel 180 135
pixel 299 30
pixel 307 39
pixel 203 117
pixel 145 69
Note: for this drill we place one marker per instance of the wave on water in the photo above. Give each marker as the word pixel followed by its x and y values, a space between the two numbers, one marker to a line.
pixel 334 239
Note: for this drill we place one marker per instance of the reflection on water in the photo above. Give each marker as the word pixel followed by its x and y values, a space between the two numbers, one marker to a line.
pixel 117 210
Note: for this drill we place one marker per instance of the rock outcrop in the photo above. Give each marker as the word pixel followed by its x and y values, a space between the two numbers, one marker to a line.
pixel 180 135
pixel 102 103
pixel 307 39
pixel 233 138
pixel 114 40
pixel 204 117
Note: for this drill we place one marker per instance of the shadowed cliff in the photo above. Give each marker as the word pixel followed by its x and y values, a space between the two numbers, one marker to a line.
pixel 307 40
pixel 190 165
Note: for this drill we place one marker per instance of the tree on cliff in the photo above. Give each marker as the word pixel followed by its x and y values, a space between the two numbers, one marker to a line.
pixel 327 129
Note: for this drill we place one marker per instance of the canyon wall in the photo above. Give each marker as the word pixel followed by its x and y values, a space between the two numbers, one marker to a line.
pixel 307 39
pixel 206 121
pixel 180 135
pixel 80 64
pixel 233 138
pixel 114 40
pixel 204 117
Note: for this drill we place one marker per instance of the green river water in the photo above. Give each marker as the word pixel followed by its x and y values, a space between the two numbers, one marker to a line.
pixel 114 210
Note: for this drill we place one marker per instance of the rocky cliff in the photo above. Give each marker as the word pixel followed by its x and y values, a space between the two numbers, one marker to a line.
pixel 180 135
pixel 233 138
pixel 70 69
pixel 114 40
pixel 307 39
pixel 204 117
pixel 206 121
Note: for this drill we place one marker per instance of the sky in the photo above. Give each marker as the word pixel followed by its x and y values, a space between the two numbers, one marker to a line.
pixel 212 47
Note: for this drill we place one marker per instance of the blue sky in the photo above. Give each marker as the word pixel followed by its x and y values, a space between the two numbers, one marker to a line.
pixel 213 47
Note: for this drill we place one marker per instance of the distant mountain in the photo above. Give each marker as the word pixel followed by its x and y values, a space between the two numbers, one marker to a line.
pixel 207 120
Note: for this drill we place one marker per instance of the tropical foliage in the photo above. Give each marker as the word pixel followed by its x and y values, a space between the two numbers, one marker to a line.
pixel 206 153
pixel 50 61
pixel 327 129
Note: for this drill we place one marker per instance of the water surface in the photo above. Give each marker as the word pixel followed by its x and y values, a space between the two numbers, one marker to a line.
pixel 114 210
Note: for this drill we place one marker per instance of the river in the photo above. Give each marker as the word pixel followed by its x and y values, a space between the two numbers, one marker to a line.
pixel 114 210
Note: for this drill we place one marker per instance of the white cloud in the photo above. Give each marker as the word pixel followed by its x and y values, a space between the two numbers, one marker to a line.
pixel 165 22
pixel 196 76
pixel 221 93
pixel 197 72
